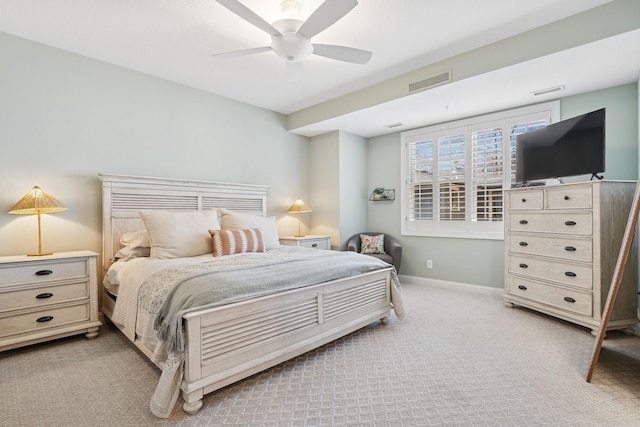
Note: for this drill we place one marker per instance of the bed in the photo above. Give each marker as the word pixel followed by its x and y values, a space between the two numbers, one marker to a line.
pixel 218 344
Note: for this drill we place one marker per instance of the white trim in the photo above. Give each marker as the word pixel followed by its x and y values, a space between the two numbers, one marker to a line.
pixel 445 284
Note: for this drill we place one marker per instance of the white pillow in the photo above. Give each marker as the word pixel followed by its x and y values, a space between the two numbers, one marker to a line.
pixel 180 234
pixel 128 253
pixel 232 220
pixel 136 239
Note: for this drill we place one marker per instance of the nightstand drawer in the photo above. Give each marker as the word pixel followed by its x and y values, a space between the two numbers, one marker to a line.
pixel 315 244
pixel 42 271
pixel 310 241
pixel 43 295
pixel 43 319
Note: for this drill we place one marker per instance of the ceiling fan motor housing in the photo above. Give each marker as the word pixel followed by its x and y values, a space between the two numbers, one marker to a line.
pixel 290 45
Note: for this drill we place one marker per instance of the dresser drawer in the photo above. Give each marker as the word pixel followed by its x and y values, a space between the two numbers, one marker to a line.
pixel 42 271
pixel 566 248
pixel 577 223
pixel 43 319
pixel 571 274
pixel 526 199
pixel 565 299
pixel 569 198
pixel 43 295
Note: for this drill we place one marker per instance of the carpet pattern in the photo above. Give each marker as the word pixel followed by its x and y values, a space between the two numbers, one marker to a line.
pixel 458 358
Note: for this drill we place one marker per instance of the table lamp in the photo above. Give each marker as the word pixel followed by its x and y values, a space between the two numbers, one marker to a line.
pixel 37 201
pixel 300 207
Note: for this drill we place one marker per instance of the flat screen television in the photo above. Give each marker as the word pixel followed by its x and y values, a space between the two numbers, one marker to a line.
pixel 571 147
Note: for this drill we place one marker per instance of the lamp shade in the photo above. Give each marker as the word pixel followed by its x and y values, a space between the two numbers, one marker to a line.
pixel 37 202
pixel 299 207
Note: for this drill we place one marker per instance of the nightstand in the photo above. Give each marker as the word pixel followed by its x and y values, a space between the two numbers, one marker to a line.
pixel 316 242
pixel 47 297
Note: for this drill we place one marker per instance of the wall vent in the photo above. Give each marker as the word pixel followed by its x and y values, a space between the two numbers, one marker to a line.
pixel 430 82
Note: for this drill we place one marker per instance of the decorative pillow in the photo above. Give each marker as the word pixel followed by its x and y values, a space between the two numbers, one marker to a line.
pixel 228 242
pixel 232 220
pixel 180 234
pixel 372 244
pixel 136 239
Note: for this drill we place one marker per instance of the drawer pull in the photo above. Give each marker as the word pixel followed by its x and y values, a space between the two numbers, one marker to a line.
pixel 44 295
pixel 524 200
pixel 315 245
pixel 569 249
pixel 522 287
pixel 524 266
pixel 523 244
pixel 566 197
pixel 569 299
pixel 524 222
pixel 43 272
pixel 569 223
pixel 570 274
pixel 44 319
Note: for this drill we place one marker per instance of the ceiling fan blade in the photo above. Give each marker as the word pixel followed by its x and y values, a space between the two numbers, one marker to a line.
pixel 250 16
pixel 327 14
pixel 242 52
pixel 342 53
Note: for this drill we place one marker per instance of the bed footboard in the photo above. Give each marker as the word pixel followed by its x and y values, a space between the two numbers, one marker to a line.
pixel 226 344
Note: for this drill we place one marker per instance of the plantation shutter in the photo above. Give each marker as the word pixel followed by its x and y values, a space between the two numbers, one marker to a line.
pixel 451 177
pixel 420 179
pixel 487 169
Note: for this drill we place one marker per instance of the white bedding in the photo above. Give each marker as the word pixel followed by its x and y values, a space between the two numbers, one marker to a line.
pixel 130 276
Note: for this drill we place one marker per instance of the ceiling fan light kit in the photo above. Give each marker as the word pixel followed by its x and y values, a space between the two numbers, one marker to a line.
pixel 291 38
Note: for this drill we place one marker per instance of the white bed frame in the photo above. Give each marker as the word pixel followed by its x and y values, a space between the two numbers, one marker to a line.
pixel 226 344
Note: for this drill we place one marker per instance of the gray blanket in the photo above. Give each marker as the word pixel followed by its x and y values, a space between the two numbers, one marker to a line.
pixel 215 288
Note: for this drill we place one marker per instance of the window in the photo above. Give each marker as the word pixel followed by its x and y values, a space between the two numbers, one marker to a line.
pixel 454 174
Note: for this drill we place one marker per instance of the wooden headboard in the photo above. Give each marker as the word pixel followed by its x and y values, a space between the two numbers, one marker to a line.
pixel 124 195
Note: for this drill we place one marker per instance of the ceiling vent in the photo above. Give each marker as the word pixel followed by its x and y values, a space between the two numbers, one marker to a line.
pixel 430 82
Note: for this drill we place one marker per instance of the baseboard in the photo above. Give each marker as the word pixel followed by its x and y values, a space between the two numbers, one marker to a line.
pixel 445 284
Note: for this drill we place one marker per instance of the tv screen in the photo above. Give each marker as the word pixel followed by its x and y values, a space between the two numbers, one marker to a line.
pixel 571 147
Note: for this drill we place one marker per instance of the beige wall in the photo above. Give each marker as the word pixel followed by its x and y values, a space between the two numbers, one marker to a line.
pixel 65 118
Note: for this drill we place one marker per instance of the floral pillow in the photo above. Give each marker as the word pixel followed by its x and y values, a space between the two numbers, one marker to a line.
pixel 372 244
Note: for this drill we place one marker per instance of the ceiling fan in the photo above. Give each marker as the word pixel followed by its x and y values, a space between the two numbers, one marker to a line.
pixel 291 38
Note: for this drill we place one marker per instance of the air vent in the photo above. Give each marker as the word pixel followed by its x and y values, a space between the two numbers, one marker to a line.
pixel 430 82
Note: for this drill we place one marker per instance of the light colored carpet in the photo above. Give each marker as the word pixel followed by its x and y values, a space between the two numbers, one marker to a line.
pixel 459 358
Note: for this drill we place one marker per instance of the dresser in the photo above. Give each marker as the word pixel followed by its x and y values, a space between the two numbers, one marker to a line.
pixel 47 297
pixel 561 248
pixel 310 241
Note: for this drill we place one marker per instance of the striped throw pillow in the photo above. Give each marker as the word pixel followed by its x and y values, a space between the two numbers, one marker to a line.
pixel 228 242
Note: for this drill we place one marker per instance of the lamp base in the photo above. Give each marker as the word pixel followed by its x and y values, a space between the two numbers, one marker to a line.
pixel 41 254
pixel 299 235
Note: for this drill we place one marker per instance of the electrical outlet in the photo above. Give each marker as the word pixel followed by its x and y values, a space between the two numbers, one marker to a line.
pixel 429 264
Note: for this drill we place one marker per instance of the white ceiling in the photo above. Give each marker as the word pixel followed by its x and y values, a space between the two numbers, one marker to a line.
pixel 174 40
